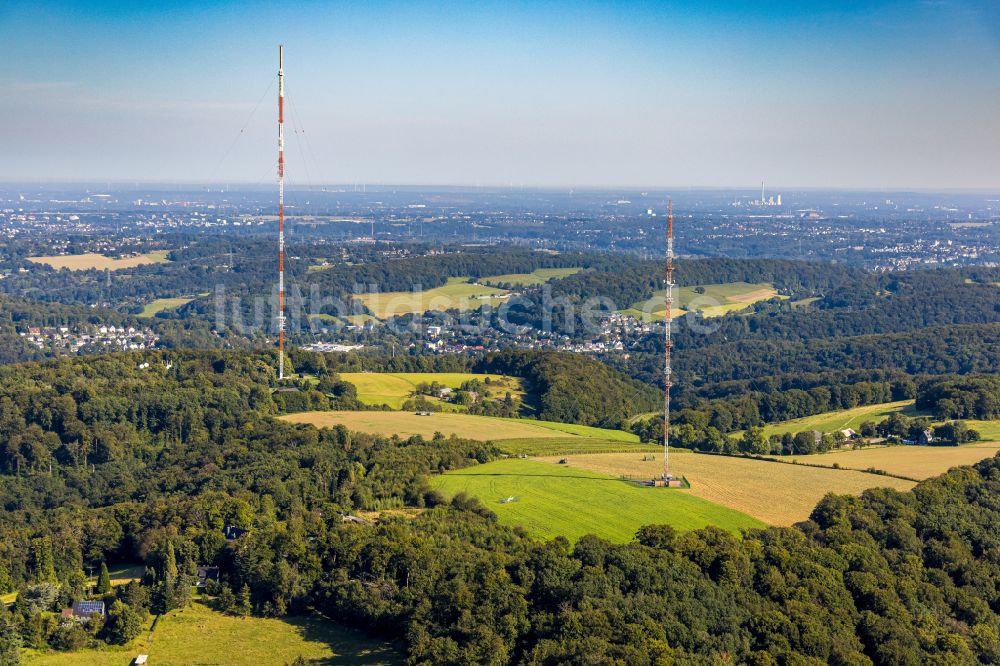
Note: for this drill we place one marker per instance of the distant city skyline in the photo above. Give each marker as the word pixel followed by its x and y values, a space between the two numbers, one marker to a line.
pixel 861 95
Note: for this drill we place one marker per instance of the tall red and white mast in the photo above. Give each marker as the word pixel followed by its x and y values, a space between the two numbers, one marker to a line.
pixel 281 213
pixel 667 321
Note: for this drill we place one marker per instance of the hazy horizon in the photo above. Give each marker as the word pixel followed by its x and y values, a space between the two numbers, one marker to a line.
pixel 750 189
pixel 874 96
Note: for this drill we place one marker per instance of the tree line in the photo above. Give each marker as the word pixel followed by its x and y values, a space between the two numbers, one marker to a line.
pixel 971 397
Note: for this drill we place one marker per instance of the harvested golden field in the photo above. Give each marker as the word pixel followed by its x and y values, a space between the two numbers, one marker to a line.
pixel 775 493
pixel 753 296
pixel 916 462
pixel 83 262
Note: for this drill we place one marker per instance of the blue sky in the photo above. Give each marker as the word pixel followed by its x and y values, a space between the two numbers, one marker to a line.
pixel 829 94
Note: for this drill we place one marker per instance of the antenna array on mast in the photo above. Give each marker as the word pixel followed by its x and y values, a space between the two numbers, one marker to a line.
pixel 667 321
pixel 281 213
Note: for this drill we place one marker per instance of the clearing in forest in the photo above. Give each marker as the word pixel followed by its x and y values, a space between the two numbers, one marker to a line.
pixel 556 500
pixel 122 574
pixel 395 388
pixel 200 635
pixel 776 493
pixel 83 262
pixel 163 304
pixel 535 277
pixel 483 428
pixel 457 294
pixel 714 301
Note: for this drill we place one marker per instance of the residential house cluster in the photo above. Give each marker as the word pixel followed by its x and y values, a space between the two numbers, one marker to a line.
pixel 77 339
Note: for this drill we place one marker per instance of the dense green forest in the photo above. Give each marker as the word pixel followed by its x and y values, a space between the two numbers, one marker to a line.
pixel 572 388
pixel 762 381
pixel 961 397
pixel 106 461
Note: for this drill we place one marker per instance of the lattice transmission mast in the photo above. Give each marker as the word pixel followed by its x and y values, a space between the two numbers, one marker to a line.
pixel 667 321
pixel 281 212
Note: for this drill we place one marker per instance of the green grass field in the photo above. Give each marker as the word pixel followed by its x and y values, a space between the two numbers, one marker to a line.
pixel 590 431
pixel 773 492
pixel 537 276
pixel 841 419
pixel 82 262
pixel 163 304
pixel 989 431
pixel 395 388
pixel 199 635
pixel 718 299
pixel 457 294
pixel 553 500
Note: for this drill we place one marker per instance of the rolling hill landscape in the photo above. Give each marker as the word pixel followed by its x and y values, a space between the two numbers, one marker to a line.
pixel 225 503
pixel 499 334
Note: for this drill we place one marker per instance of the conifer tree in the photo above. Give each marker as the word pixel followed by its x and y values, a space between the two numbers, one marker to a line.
pixel 227 600
pixel 41 552
pixel 10 642
pixel 104 580
pixel 243 605
pixel 170 563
